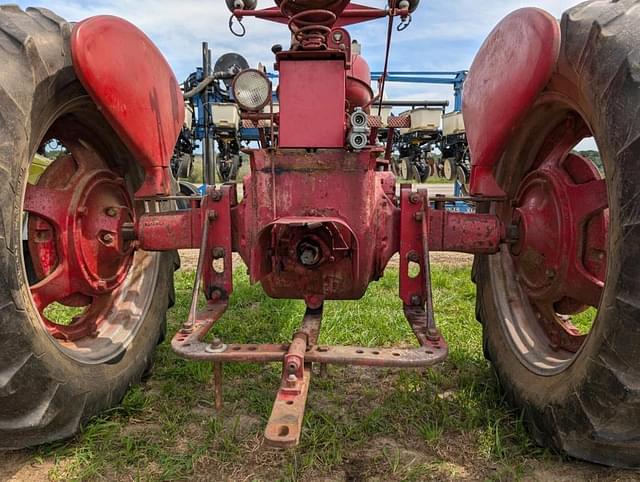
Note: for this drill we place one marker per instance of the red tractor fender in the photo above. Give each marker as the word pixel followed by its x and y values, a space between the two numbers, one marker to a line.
pixel 512 67
pixel 133 85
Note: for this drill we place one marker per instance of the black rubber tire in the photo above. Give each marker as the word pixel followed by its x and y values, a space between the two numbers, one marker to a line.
pixel 590 409
pixel 45 394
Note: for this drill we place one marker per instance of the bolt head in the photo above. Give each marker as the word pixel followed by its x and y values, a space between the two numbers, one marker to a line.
pixel 414 198
pixel 413 257
pixel 107 238
pixel 111 212
pixel 216 343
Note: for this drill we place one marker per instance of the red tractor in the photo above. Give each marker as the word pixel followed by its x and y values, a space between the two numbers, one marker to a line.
pixel 320 215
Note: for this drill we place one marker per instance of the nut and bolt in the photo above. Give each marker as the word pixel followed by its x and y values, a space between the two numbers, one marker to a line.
pixel 414 198
pixel 216 346
pixel 413 257
pixel 107 238
pixel 309 253
pixel 111 212
pixel 416 300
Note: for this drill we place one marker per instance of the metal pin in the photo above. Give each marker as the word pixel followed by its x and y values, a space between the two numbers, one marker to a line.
pixel 217 383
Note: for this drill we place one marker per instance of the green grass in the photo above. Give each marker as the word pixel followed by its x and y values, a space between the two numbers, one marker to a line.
pixel 446 423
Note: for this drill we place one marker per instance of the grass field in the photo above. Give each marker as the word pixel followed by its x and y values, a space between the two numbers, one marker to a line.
pixel 448 423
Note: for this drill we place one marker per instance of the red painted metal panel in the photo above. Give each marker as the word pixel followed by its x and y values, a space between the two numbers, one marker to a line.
pixel 132 83
pixel 353 14
pixel 312 103
pixel 511 69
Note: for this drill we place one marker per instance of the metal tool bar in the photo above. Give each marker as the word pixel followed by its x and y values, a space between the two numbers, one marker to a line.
pixel 285 424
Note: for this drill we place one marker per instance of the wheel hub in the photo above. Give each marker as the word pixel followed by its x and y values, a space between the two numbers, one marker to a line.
pixel 560 255
pixel 76 213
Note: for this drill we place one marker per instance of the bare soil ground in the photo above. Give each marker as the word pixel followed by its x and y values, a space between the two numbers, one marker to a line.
pixel 189 260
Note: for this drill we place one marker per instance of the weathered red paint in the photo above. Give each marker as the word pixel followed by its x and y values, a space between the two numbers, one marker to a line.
pixel 311 90
pixel 127 76
pixel 510 70
pixel 348 205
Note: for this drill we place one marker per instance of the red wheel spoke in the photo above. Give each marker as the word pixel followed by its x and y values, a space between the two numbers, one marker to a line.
pixel 584 288
pixel 588 199
pixel 49 204
pixel 55 287
pixel 563 139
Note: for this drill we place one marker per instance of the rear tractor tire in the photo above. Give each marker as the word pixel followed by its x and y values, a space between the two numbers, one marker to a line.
pixel 54 372
pixel 560 306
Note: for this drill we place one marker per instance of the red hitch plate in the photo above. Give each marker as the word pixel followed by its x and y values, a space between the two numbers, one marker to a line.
pixel 134 86
pixel 512 67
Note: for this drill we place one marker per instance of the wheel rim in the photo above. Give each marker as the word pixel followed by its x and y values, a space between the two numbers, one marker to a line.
pixel 404 169
pixel 448 169
pixel 556 266
pixel 73 217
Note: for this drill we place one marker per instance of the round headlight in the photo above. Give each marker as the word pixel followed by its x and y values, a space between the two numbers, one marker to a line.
pixel 252 90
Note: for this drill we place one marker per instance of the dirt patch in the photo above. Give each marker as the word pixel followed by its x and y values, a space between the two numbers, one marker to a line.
pixel 189 260
pixel 22 467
